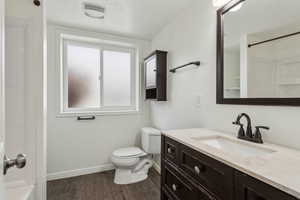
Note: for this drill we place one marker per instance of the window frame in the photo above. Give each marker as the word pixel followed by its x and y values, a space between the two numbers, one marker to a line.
pixel 101 46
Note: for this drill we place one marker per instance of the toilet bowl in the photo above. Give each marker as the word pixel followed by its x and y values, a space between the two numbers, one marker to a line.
pixel 132 163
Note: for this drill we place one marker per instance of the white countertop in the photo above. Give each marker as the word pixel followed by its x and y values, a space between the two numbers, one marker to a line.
pixel 280 169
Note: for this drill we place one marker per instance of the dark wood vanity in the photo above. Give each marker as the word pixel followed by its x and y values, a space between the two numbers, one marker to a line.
pixel 190 175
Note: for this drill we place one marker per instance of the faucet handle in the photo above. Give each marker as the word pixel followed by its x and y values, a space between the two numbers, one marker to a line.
pixel 257 136
pixel 262 127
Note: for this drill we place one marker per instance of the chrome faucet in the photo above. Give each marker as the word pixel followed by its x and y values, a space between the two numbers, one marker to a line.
pixel 249 136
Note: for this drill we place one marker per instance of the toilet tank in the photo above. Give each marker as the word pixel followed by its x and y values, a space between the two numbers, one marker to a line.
pixel 151 140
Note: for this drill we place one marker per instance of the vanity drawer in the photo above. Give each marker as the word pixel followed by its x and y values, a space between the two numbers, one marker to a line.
pixel 165 195
pixel 180 188
pixel 213 175
pixel 171 150
pixel 248 187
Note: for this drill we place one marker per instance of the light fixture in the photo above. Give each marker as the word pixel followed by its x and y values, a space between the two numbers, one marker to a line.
pixel 236 7
pixel 219 3
pixel 93 10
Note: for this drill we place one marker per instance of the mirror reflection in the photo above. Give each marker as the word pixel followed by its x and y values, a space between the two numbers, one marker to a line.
pixel 262 49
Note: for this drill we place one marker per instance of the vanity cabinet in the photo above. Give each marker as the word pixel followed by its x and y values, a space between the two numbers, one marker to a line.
pixel 156 76
pixel 190 175
pixel 248 188
pixel 177 186
pixel 213 175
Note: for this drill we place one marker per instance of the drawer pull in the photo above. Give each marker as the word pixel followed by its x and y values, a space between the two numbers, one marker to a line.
pixel 199 169
pixel 169 150
pixel 174 187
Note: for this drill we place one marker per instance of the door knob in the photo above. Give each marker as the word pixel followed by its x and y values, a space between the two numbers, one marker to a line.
pixel 19 162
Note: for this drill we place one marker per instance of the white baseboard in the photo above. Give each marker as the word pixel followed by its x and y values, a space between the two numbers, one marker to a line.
pixel 79 172
pixel 156 166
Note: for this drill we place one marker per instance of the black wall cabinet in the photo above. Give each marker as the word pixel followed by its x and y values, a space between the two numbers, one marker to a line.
pixel 156 76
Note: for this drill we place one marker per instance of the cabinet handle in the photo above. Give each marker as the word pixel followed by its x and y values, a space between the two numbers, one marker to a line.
pixel 198 169
pixel 169 150
pixel 174 187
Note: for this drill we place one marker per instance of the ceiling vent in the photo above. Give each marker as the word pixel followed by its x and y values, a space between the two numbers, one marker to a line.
pixel 93 10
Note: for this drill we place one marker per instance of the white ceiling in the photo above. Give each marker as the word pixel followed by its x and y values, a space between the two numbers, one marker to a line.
pixel 138 18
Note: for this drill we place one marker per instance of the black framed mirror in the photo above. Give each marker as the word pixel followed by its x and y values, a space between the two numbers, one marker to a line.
pixel 258 52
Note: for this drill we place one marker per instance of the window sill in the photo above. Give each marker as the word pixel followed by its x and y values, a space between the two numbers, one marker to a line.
pixel 102 113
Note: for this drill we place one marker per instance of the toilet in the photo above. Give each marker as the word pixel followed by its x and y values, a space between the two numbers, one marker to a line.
pixel 133 163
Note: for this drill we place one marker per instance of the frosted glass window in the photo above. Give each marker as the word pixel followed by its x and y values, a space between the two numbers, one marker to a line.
pixel 98 78
pixel 116 78
pixel 83 70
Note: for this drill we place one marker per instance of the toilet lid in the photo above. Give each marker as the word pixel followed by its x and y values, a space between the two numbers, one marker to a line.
pixel 128 152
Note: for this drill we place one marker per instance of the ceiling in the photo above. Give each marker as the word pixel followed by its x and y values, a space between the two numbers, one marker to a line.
pixel 137 18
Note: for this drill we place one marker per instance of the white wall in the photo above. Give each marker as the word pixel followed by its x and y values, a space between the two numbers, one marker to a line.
pixel 191 36
pixel 74 145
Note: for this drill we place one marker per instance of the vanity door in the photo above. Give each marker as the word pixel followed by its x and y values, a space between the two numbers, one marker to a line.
pixel 248 188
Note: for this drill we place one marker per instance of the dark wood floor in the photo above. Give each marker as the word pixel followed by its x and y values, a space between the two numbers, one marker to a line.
pixel 100 186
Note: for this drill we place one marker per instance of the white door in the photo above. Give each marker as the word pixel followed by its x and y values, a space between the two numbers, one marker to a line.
pixel 2 102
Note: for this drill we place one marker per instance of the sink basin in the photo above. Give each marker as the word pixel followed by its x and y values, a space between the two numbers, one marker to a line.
pixel 233 146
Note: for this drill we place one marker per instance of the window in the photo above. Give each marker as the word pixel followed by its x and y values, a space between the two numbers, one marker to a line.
pixel 98 78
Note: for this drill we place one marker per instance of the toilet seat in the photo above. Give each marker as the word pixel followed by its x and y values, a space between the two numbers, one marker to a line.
pixel 125 162
pixel 127 157
pixel 129 152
